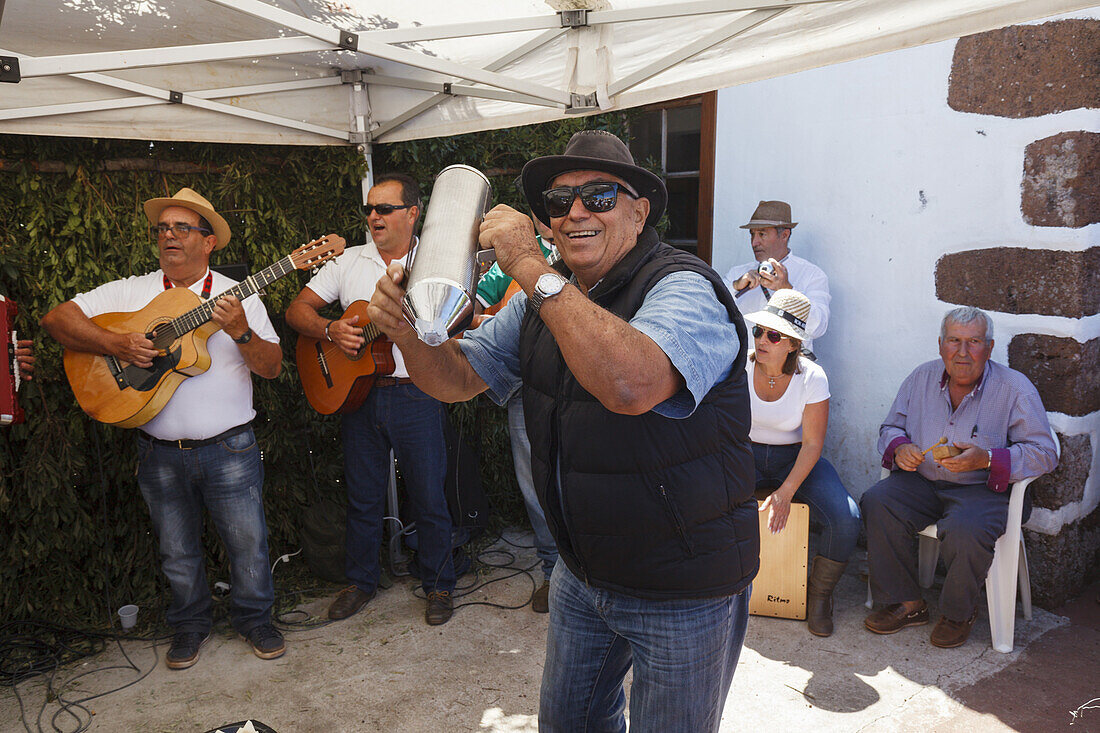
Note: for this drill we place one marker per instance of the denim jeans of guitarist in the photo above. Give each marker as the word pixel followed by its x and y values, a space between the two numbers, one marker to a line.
pixel 227 479
pixel 410 422
pixel 683 652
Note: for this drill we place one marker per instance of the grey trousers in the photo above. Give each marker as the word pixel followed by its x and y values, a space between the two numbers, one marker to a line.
pixel 969 518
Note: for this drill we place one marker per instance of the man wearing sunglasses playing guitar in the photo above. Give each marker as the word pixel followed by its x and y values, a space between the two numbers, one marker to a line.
pixel 631 360
pixel 199 450
pixel 395 413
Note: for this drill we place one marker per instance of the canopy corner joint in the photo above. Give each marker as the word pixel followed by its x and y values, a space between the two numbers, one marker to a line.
pixel 9 69
pixel 573 18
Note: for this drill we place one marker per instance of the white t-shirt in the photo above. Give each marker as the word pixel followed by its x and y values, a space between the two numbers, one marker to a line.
pixel 780 422
pixel 805 277
pixel 212 402
pixel 351 277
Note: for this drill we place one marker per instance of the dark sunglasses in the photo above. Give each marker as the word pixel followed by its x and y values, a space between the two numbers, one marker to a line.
pixel 181 230
pixel 597 197
pixel 384 209
pixel 774 336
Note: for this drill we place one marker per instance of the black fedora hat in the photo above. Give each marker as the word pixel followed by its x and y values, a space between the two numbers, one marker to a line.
pixel 592 150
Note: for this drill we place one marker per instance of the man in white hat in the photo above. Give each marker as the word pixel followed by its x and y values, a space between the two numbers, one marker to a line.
pixel 631 359
pixel 199 450
pixel 775 267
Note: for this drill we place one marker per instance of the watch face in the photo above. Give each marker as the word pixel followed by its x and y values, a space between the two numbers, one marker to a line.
pixel 549 284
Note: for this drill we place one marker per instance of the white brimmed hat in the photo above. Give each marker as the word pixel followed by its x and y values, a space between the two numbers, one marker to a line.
pixel 188 199
pixel 786 312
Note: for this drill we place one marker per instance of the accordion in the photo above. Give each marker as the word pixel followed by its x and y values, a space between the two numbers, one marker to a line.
pixel 9 369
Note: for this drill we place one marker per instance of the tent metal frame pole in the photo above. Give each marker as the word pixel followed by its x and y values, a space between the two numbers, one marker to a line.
pixel 457 90
pixel 31 67
pixel 719 35
pixel 144 101
pixel 352 42
pixel 167 96
pixel 499 63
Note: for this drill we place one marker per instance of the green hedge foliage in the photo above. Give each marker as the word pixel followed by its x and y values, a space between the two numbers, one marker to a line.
pixel 73 526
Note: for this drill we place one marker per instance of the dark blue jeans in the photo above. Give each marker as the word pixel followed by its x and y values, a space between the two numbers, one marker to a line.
pixel 227 478
pixel 402 418
pixel 830 503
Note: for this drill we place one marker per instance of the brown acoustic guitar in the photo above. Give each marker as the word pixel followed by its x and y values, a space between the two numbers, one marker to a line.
pixel 333 381
pixel 178 323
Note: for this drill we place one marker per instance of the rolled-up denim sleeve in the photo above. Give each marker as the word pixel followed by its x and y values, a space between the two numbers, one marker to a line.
pixel 683 316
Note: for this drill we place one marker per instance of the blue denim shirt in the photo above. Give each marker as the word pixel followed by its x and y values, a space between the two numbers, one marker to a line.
pixel 680 313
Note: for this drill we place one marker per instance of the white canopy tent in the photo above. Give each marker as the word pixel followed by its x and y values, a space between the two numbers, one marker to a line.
pixel 323 72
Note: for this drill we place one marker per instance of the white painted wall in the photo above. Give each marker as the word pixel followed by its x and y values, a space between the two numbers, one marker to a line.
pixel 884 178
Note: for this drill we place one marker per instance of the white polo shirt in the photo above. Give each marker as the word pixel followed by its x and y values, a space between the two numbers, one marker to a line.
pixel 212 402
pixel 351 277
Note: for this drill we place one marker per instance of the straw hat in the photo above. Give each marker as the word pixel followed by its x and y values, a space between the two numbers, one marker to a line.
pixel 188 199
pixel 786 312
pixel 592 150
pixel 771 214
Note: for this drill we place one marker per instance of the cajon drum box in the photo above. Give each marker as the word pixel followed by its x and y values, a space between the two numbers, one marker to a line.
pixel 779 589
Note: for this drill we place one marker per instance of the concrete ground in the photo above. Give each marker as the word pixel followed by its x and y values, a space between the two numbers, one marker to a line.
pixel 386 670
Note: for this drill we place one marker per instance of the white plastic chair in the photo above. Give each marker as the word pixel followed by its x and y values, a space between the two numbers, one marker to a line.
pixel 1008 569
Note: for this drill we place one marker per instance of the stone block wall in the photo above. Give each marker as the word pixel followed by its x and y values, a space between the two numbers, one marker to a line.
pixel 1020 72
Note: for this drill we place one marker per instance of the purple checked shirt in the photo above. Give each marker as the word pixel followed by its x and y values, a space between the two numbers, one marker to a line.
pixel 1003 413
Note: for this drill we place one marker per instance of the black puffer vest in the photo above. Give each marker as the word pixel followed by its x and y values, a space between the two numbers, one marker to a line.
pixel 649 506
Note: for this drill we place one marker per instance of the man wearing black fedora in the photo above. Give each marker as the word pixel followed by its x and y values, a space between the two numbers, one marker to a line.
pixel 631 360
pixel 753 282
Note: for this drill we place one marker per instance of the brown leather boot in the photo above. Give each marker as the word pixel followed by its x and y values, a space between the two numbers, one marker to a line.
pixel 824 574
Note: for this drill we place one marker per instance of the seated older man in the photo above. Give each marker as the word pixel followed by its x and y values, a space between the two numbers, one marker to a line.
pixel 994 416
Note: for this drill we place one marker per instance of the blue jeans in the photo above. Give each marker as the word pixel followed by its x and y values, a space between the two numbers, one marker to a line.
pixel 545 547
pixel 684 653
pixel 402 418
pixel 829 502
pixel 227 478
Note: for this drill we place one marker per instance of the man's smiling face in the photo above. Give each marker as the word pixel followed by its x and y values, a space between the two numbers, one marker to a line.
pixel 592 243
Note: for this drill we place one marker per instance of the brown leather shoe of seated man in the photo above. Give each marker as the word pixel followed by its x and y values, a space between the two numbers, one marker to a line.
pixel 895 617
pixel 348 601
pixel 949 634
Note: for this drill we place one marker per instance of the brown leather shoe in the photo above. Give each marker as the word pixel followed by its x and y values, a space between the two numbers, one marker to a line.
pixel 540 599
pixel 894 618
pixel 949 634
pixel 348 601
pixel 440 608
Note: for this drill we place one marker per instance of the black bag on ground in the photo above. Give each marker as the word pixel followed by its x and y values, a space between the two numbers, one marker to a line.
pixel 323 535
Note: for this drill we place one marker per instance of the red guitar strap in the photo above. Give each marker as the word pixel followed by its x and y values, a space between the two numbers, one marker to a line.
pixel 168 285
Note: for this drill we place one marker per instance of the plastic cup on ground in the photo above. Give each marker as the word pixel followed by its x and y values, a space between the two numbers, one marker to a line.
pixel 128 615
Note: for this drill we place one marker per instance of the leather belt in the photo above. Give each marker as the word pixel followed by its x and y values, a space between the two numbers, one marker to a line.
pixel 391 381
pixel 187 444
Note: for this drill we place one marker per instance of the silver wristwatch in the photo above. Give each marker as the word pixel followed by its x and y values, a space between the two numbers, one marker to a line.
pixel 547 286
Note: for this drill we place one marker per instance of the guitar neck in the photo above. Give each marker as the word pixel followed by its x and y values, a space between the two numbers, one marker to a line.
pixel 371 332
pixel 251 285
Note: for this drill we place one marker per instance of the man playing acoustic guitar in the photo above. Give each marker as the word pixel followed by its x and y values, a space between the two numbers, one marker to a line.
pixel 199 450
pixel 395 413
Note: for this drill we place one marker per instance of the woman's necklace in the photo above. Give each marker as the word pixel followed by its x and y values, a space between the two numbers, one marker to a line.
pixel 770 378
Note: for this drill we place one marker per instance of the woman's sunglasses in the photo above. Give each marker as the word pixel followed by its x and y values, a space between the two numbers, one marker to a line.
pixel 774 336
pixel 383 209
pixel 597 197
